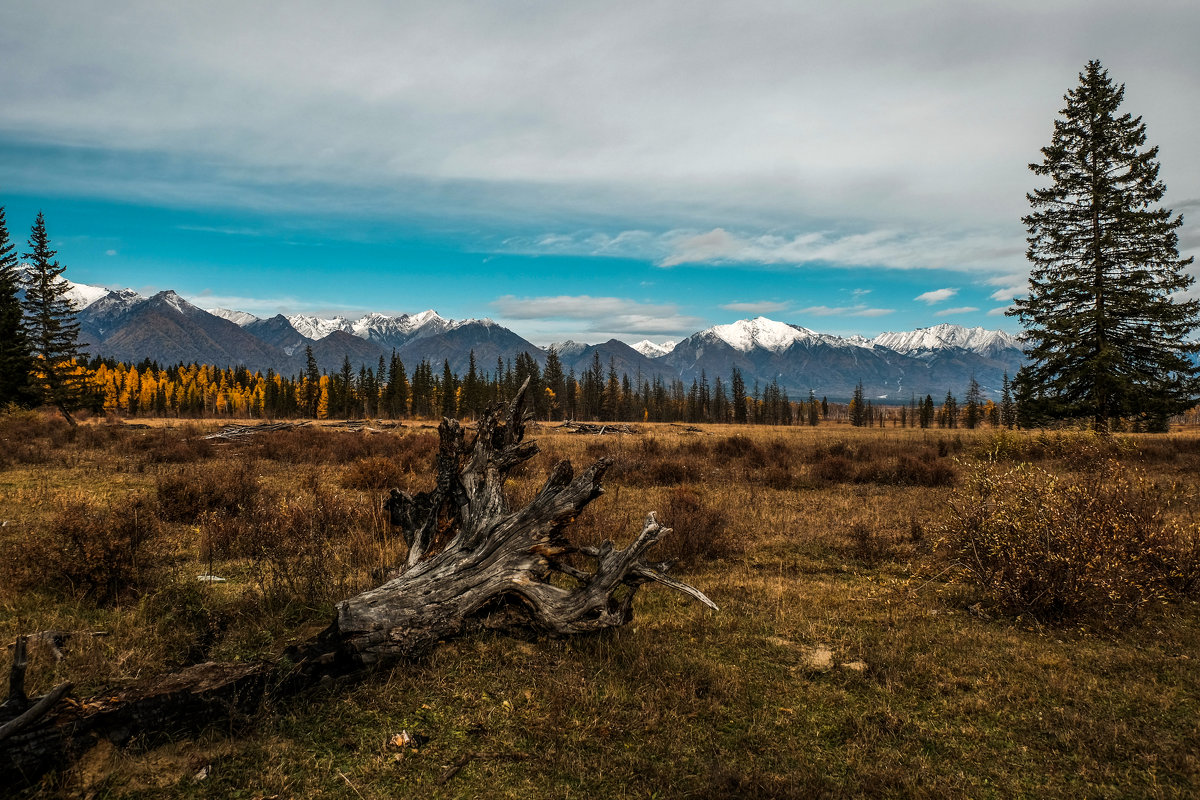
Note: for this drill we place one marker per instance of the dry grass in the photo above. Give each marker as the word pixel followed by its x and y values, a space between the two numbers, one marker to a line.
pixel 832 669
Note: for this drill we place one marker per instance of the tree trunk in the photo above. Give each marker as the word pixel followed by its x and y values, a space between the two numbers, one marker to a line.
pixel 473 563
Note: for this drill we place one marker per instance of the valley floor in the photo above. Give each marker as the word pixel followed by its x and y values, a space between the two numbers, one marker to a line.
pixel 842 662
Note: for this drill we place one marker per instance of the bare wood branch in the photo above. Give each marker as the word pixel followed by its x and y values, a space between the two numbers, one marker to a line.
pixel 35 712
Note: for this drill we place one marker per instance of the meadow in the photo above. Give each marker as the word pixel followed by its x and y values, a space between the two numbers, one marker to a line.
pixel 856 653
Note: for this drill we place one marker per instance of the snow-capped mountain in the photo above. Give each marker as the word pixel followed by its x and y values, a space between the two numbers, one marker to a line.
pixel 241 318
pixel 766 351
pixel 568 349
pixel 892 365
pixel 399 330
pixel 759 333
pixel 83 295
pixel 944 336
pixel 651 350
pixel 319 327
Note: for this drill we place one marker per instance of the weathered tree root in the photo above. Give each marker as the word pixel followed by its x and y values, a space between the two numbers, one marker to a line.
pixel 473 563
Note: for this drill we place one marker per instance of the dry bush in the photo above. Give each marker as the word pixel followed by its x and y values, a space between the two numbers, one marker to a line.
pixel 187 493
pixel 373 473
pixel 653 471
pixel 311 547
pixel 1097 546
pixel 869 545
pixel 315 445
pixel 1078 448
pixel 99 552
pixel 905 470
pixel 166 445
pixel 700 531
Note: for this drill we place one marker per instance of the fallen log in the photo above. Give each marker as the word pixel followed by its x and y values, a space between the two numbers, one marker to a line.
pixel 234 432
pixel 597 430
pixel 473 563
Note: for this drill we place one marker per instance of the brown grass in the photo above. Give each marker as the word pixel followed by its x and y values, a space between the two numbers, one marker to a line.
pixel 924 695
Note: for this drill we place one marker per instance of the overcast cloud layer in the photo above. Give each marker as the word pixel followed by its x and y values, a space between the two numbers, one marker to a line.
pixel 758 133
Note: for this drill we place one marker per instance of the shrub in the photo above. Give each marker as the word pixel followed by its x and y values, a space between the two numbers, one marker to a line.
pixel 313 547
pixel 699 531
pixel 1097 546
pixel 100 552
pixel 187 493
pixel 376 472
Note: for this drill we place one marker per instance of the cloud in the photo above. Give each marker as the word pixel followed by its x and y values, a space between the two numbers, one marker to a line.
pixel 764 307
pixel 886 248
pixel 1011 285
pixel 829 137
pixel 600 314
pixel 998 312
pixel 950 312
pixel 846 311
pixel 889 248
pixel 936 296
pixel 110 252
pixel 269 306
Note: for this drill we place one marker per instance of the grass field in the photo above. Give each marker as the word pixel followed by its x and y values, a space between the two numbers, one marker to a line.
pixel 843 661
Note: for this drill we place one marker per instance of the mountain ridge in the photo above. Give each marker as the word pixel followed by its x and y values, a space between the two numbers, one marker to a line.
pixel 891 365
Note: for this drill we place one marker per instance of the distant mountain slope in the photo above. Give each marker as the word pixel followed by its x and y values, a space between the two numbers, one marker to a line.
pixel 168 329
pixel 892 366
pixel 488 340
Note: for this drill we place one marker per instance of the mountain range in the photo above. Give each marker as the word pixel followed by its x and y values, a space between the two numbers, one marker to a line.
pixel 892 366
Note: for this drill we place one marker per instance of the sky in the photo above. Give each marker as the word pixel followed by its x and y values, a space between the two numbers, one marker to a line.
pixel 572 170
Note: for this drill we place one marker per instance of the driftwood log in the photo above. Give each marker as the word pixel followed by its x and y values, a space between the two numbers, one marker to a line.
pixel 473 563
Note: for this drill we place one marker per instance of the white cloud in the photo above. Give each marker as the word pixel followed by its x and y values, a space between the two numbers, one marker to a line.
pixel 600 314
pixel 998 312
pixel 846 311
pixel 936 296
pixel 764 307
pixel 110 252
pixel 1011 285
pixel 269 306
pixel 951 312
pixel 886 248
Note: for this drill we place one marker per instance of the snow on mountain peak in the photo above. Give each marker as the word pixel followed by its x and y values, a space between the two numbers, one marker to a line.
pixel 651 350
pixel 945 335
pixel 760 332
pixel 313 327
pixel 240 318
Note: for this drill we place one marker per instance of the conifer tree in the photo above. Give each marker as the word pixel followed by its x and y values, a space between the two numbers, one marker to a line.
pixel 1108 335
pixel 973 413
pixel 1008 410
pixel 858 407
pixel 16 361
pixel 739 396
pixel 51 328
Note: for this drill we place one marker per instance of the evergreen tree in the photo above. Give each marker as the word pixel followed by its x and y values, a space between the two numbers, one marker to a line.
pixel 51 328
pixel 556 384
pixel 973 413
pixel 926 416
pixel 739 395
pixel 16 361
pixel 858 407
pixel 1108 336
pixel 312 379
pixel 1008 411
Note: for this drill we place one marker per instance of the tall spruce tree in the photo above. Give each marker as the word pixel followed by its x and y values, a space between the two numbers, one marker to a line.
pixel 1107 334
pixel 16 361
pixel 51 328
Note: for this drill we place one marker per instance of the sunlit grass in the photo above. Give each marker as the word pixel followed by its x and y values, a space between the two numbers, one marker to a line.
pixel 923 693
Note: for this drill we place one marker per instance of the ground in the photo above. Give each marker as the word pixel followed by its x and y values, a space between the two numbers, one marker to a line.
pixel 842 662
